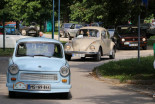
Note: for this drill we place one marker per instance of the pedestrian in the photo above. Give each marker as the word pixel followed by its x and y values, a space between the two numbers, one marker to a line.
pixel 41 34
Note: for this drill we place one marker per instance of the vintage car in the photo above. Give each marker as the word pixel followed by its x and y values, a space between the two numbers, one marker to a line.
pixel 64 29
pixel 38 65
pixel 126 36
pixel 11 36
pixel 90 42
pixel 73 30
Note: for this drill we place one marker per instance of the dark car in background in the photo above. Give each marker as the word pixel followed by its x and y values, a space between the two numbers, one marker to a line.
pixel 64 29
pixel 127 36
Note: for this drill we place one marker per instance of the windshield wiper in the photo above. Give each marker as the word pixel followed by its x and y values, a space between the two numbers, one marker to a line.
pixel 42 55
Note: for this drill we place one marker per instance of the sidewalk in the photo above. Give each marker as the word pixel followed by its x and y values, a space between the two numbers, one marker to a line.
pixel 56 37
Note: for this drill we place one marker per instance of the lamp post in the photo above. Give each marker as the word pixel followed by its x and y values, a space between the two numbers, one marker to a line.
pixel 53 22
pixel 59 20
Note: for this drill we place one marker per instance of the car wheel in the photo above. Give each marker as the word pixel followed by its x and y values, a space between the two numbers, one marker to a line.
pixel 113 54
pixel 12 94
pixel 65 95
pixel 69 37
pixel 98 56
pixel 83 58
pixel 68 57
pixel 144 47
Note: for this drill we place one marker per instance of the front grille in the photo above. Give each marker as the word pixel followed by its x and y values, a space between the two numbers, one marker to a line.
pixel 38 77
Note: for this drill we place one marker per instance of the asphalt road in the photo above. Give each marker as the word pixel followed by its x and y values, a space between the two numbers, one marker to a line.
pixel 85 88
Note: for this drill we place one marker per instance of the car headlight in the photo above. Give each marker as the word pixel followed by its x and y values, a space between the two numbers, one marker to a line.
pixel 13 69
pixel 123 39
pixel 92 47
pixel 144 39
pixel 64 71
pixel 68 47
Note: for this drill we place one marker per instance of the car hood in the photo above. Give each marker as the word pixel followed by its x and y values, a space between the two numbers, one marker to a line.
pixel 39 64
pixel 81 44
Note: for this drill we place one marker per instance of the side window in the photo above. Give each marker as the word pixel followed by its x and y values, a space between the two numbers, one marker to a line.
pixel 103 34
pixel 72 27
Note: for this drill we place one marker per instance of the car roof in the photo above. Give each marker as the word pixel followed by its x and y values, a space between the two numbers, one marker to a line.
pixel 93 27
pixel 38 39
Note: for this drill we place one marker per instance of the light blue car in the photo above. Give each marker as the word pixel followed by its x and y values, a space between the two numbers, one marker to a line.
pixel 38 65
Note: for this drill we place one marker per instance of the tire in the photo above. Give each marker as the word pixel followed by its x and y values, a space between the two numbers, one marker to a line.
pixel 98 56
pixel 83 58
pixel 69 36
pixel 65 95
pixel 12 94
pixel 113 54
pixel 144 47
pixel 68 57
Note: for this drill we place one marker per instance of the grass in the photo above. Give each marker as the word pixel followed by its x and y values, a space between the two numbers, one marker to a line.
pixel 129 69
pixel 50 33
pixel 7 52
pixel 151 40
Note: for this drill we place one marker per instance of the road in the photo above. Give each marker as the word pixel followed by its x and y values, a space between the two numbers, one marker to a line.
pixel 85 88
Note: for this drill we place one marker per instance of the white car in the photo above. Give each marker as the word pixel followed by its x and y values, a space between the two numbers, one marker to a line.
pixel 12 35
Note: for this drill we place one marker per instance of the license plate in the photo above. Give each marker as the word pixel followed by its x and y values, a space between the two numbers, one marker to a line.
pixel 39 87
pixel 20 86
pixel 133 44
pixel 126 43
pixel 78 55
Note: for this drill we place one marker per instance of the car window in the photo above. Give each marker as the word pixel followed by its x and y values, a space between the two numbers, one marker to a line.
pixel 11 31
pixel 72 27
pixel 68 25
pixel 78 26
pixel 104 34
pixel 39 49
pixel 88 33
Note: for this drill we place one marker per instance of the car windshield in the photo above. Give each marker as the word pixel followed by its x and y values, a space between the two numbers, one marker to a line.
pixel 68 25
pixel 78 26
pixel 127 30
pixel 39 49
pixel 88 33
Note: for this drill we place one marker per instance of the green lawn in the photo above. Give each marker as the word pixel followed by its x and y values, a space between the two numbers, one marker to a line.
pixel 129 69
pixel 151 40
pixel 7 52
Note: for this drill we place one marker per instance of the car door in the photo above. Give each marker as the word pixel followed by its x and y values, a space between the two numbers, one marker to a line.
pixel 104 42
pixel 108 42
pixel 71 31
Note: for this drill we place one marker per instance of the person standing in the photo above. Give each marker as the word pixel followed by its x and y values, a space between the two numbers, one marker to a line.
pixel 41 35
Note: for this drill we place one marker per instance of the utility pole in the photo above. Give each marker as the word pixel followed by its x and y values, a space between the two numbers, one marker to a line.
pixel 53 22
pixel 59 20
pixel 3 32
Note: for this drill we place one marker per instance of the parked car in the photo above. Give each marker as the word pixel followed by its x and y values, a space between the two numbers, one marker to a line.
pixel 90 42
pixel 64 29
pixel 38 65
pixel 73 30
pixel 12 35
pixel 127 36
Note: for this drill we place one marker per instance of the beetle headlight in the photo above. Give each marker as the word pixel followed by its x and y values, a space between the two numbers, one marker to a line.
pixel 123 39
pixel 13 69
pixel 68 47
pixel 144 39
pixel 64 71
pixel 92 47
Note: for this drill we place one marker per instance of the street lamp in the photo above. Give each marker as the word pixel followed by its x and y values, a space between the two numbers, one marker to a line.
pixel 59 20
pixel 53 22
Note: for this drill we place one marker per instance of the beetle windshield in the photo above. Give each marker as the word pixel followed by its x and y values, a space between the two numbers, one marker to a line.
pixel 88 33
pixel 39 49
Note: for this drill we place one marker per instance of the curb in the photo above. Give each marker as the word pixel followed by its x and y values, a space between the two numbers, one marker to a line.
pixel 140 86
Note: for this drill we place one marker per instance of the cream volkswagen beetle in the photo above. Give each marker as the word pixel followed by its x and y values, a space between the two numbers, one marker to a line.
pixel 91 42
